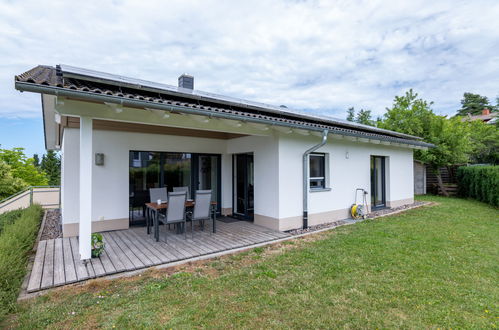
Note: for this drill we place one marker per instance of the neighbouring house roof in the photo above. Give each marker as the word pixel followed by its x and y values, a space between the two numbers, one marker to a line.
pixel 86 84
pixel 486 116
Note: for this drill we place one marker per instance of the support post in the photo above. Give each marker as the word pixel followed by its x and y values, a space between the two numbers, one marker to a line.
pixel 86 157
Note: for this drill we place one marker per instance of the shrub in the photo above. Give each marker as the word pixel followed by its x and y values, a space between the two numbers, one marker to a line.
pixel 97 245
pixel 479 182
pixel 16 241
pixel 9 217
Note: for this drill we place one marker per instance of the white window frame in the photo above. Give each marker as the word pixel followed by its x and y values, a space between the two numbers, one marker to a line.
pixel 325 178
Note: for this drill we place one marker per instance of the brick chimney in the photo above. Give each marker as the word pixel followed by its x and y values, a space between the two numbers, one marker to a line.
pixel 485 112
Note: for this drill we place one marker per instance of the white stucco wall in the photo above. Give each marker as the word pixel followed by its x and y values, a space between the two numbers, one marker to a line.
pixel 265 157
pixel 111 181
pixel 345 175
pixel 277 177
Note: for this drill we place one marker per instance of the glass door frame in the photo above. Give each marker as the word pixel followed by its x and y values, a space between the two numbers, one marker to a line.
pixel 246 215
pixel 195 176
pixel 374 194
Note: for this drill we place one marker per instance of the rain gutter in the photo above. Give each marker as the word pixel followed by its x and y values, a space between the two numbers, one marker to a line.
pixel 83 95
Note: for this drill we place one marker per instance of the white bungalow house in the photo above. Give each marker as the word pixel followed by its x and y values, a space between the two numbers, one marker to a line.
pixel 274 166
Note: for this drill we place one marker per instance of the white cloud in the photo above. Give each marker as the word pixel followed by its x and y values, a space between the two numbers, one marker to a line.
pixel 319 55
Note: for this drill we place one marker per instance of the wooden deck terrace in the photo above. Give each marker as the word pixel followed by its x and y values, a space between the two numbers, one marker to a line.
pixel 57 260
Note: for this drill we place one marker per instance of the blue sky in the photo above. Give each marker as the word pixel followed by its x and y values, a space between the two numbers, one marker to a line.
pixel 321 56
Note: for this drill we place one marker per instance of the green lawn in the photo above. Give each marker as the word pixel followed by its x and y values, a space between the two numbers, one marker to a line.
pixel 434 267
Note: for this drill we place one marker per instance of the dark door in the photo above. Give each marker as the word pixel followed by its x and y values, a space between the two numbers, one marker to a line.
pixel 207 175
pixel 243 186
pixel 378 189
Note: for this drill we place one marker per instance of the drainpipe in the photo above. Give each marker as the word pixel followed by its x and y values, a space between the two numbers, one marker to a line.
pixel 306 174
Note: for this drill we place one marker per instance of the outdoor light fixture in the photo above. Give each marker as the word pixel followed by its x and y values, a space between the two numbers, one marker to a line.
pixel 99 159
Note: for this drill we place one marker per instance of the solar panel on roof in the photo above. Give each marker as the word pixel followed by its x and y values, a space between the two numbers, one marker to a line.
pixel 98 76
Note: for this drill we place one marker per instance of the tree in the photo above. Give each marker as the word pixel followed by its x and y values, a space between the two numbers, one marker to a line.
pixel 362 117
pixel 351 114
pixel 51 165
pixel 484 141
pixel 36 160
pixel 23 167
pixel 451 137
pixel 474 104
pixel 9 185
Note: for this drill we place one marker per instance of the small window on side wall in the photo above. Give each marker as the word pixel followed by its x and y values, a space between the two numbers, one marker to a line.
pixel 317 171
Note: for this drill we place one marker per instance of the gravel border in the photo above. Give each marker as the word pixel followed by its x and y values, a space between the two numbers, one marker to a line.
pixel 53 225
pixel 372 215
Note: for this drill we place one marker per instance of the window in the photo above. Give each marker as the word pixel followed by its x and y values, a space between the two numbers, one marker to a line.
pixel 317 173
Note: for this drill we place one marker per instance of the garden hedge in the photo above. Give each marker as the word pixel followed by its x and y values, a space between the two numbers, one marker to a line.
pixel 479 182
pixel 16 241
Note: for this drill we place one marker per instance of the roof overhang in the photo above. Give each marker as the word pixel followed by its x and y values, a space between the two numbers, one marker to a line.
pixel 50 94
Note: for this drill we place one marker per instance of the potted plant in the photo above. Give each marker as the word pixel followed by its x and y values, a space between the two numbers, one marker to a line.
pixel 97 245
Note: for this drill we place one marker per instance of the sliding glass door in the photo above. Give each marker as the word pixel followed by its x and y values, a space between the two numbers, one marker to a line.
pixel 149 169
pixel 378 189
pixel 243 186
pixel 176 171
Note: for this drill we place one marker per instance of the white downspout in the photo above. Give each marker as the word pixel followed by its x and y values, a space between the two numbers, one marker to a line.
pixel 306 174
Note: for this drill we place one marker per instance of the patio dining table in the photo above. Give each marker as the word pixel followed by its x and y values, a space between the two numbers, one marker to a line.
pixel 153 209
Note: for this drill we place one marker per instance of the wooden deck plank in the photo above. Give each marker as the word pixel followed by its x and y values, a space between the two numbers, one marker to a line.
pixel 264 230
pixel 135 248
pixel 160 246
pixel 157 249
pixel 81 270
pixel 57 261
pixel 139 244
pixel 59 277
pixel 125 251
pixel 90 269
pixel 220 242
pixel 180 245
pixel 202 244
pixel 255 232
pixel 242 240
pixel 120 261
pixel 177 249
pixel 206 241
pixel 107 263
pixel 48 266
pixel 35 279
pixel 98 267
pixel 69 265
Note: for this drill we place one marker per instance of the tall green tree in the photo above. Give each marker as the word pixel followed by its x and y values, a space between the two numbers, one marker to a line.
pixel 22 167
pixel 351 114
pixel 474 104
pixel 361 117
pixel 51 165
pixel 451 137
pixel 36 160
pixel 365 117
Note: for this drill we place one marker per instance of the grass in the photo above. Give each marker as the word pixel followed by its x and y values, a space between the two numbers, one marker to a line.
pixel 16 241
pixel 432 267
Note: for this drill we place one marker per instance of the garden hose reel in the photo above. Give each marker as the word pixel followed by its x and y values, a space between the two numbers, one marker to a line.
pixel 359 210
